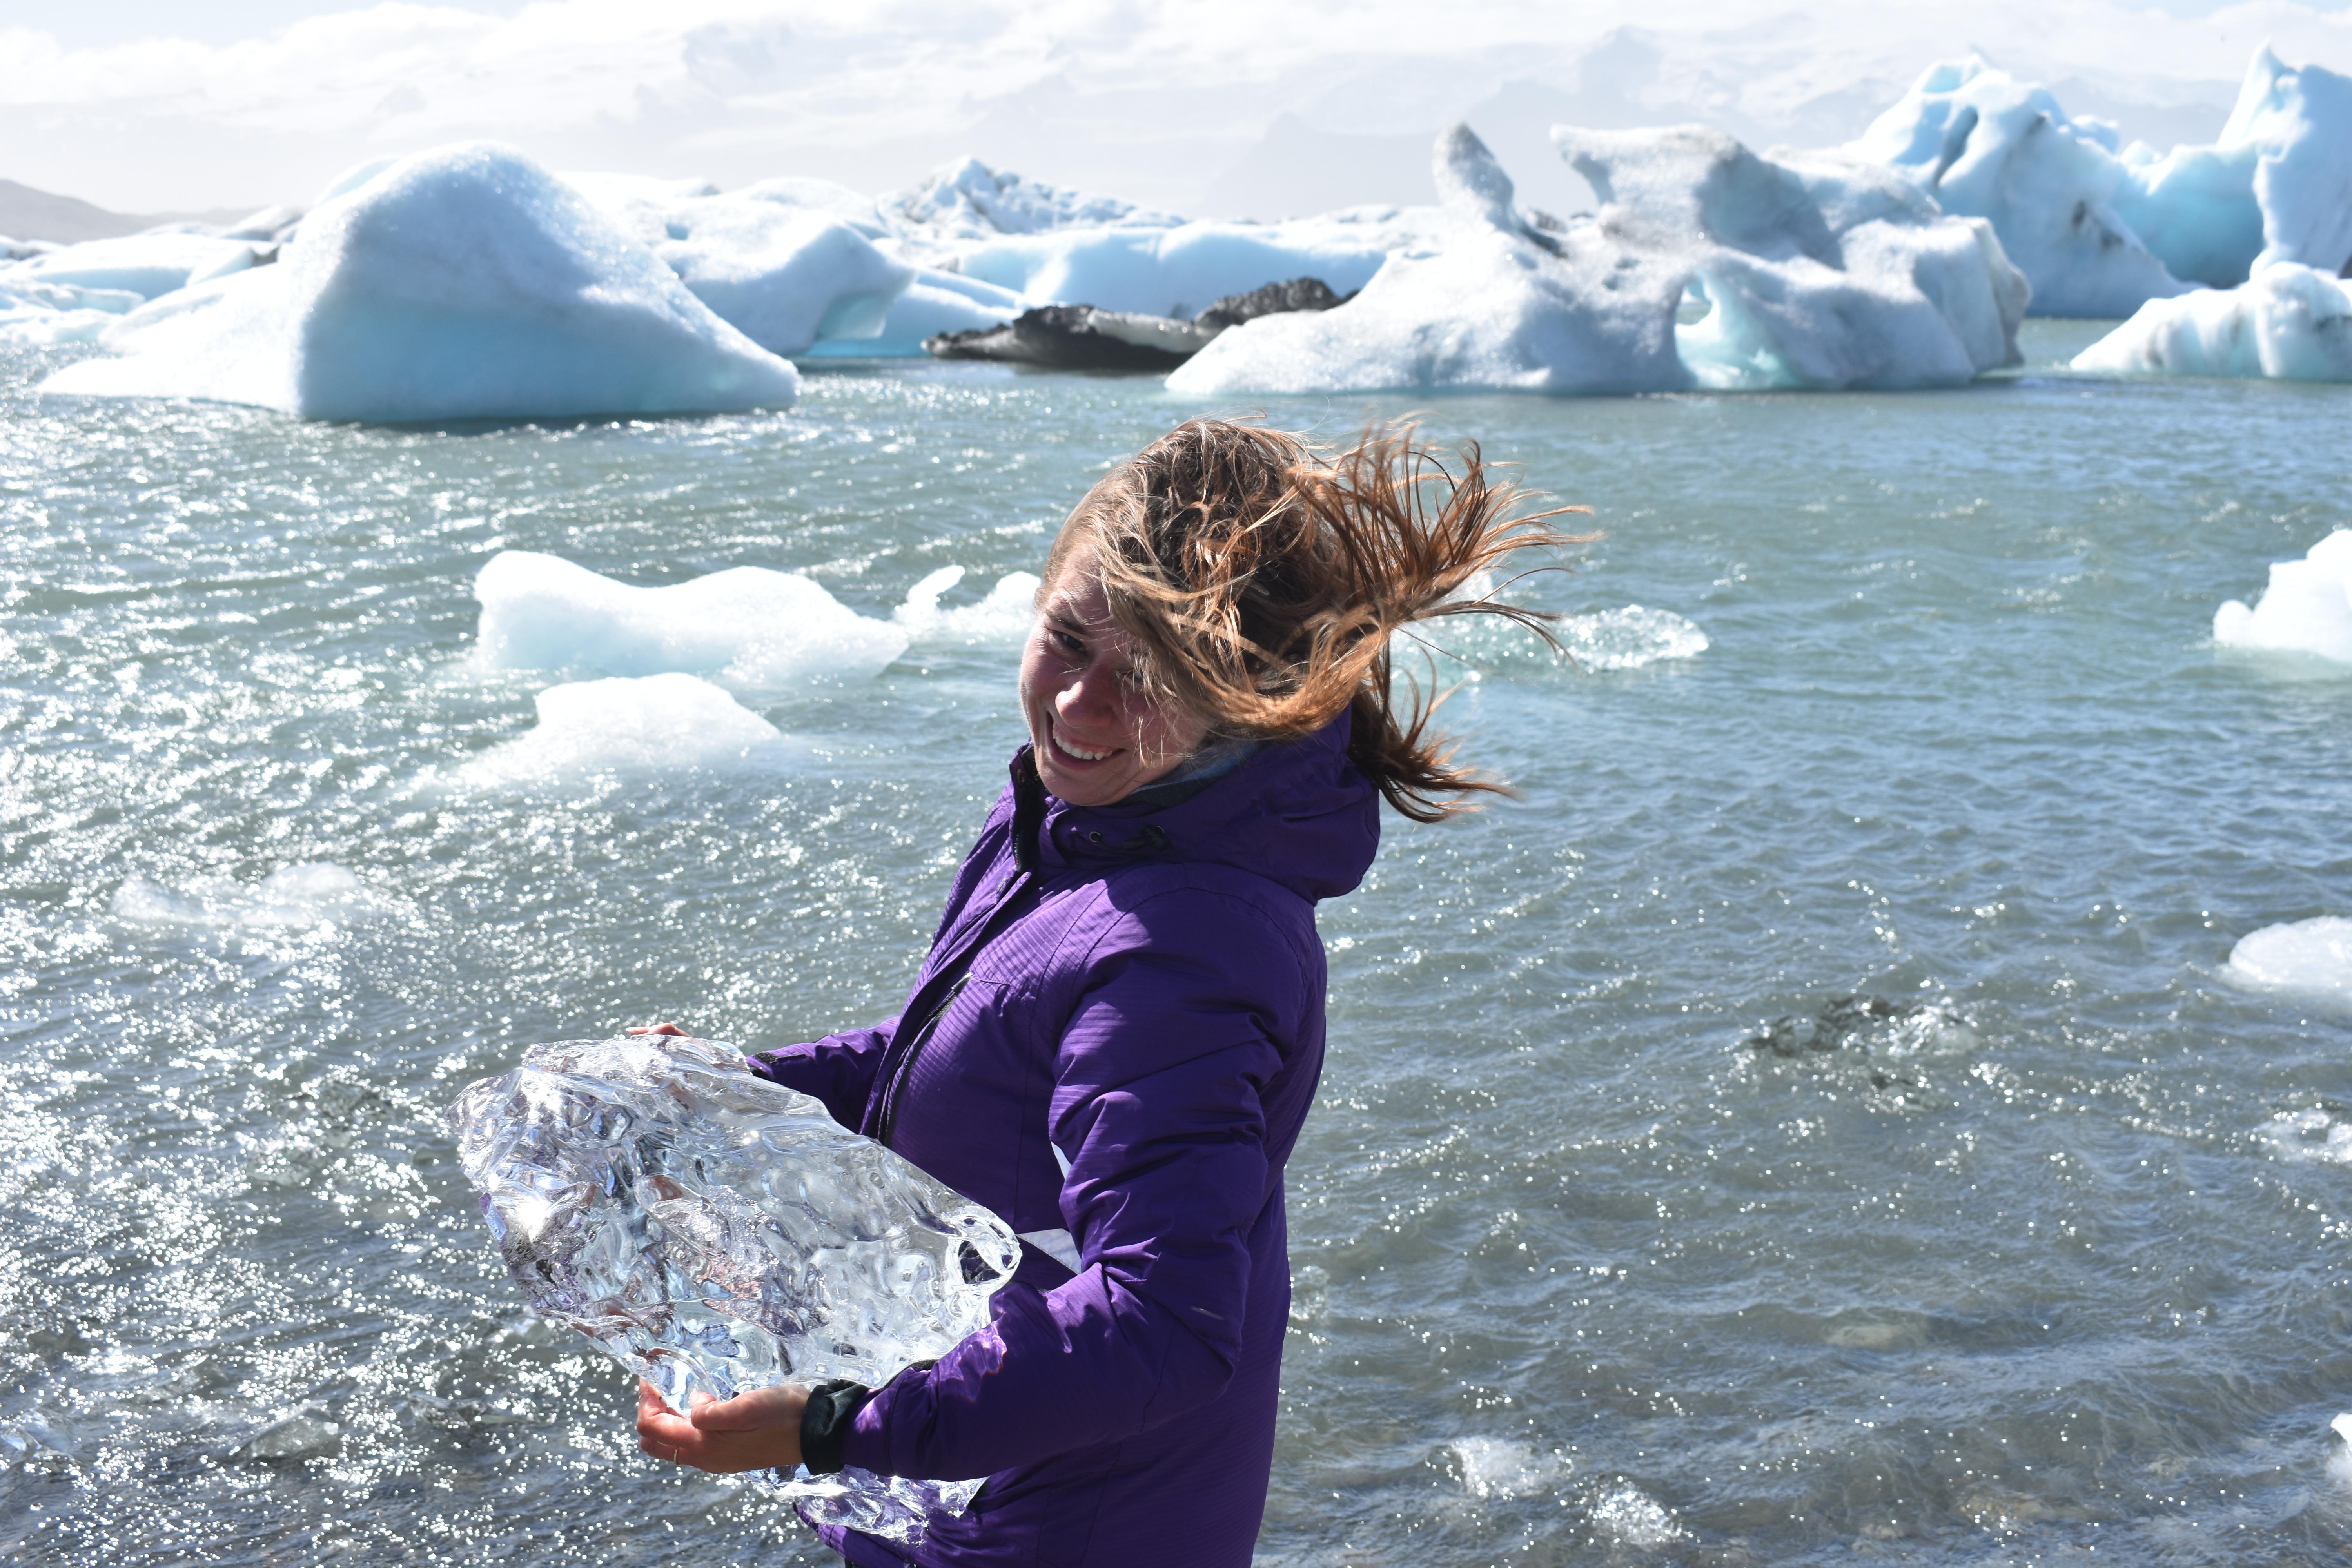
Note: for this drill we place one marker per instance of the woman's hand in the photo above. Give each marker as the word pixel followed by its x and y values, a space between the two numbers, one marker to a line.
pixel 756 1431
pixel 659 1029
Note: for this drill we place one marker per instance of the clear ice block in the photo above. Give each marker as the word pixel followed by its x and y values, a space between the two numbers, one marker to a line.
pixel 713 1231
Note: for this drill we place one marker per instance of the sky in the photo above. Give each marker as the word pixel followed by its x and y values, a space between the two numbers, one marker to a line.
pixel 1210 107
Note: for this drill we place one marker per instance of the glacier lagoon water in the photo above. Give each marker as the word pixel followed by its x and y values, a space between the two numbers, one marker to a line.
pixel 1580 1274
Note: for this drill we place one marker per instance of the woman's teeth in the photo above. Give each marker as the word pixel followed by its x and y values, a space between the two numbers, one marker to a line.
pixel 1080 752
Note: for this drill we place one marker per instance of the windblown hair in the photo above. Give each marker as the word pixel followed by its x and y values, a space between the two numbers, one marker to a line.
pixel 1262 580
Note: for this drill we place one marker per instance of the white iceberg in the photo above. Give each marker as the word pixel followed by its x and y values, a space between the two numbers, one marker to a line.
pixel 1817 274
pixel 462 282
pixel 2310 958
pixel 147 265
pixel 933 303
pixel 967 200
pixel 45 313
pixel 782 271
pixel 747 626
pixel 2287 323
pixel 1985 145
pixel 2100 232
pixel 591 730
pixel 2306 608
pixel 1176 272
pixel 2276 187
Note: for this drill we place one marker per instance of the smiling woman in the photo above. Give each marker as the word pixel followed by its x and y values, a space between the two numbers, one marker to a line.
pixel 1117 1033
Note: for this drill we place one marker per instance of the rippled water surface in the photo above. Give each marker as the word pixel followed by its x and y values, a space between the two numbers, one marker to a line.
pixel 2041 1257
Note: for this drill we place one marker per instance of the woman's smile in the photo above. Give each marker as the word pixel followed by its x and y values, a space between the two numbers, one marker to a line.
pixel 1097 736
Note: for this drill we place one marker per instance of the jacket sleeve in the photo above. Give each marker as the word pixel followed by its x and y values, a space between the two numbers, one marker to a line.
pixel 839 1070
pixel 1158 1076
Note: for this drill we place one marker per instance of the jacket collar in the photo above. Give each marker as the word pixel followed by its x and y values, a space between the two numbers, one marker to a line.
pixel 1296 813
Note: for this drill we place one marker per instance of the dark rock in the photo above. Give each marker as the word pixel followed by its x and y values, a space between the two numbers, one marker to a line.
pixel 1077 336
pixel 1273 300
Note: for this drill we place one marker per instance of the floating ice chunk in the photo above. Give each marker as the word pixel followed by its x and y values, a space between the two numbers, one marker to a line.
pixel 651 723
pixel 1172 271
pixel 715 1232
pixel 1505 1468
pixel 2287 323
pixel 1817 274
pixel 1985 145
pixel 43 313
pixel 305 1435
pixel 2339 1463
pixel 2309 958
pixel 747 626
pixel 2309 1137
pixel 147 265
pixel 463 283
pixel 1004 616
pixel 307 894
pixel 2307 608
pixel 934 304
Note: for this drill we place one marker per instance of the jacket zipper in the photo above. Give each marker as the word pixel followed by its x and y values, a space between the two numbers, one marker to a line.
pixel 896 1090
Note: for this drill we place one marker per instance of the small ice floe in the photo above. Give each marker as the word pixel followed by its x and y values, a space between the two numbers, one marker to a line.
pixel 311 893
pixel 1004 616
pixel 1629 637
pixel 2339 1463
pixel 747 626
pixel 590 730
pixel 2306 608
pixel 2309 959
pixel 1494 1468
pixel 1632 1517
pixel 2309 1137
pixel 1873 1024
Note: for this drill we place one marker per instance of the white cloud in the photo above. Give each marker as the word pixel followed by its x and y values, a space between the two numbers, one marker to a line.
pixel 1151 99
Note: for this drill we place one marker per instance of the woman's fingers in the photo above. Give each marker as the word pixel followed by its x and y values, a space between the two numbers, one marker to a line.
pixel 658 1029
pixel 755 1431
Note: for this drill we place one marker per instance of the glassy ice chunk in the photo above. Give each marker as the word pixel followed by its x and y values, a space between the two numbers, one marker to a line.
pixel 714 1231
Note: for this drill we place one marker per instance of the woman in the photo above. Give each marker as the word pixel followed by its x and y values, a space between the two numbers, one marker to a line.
pixel 1119 1030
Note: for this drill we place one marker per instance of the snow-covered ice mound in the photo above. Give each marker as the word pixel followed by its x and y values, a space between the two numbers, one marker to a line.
pixel 1818 274
pixel 2304 958
pixel 2287 323
pixel 655 723
pixel 2306 608
pixel 308 894
pixel 1987 146
pixel 967 200
pixel 784 272
pixel 462 282
pixel 747 626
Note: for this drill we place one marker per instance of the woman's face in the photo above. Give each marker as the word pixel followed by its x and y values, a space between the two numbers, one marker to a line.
pixel 1097 738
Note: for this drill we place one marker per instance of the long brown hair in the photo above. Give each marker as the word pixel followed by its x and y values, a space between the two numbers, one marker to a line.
pixel 1262 580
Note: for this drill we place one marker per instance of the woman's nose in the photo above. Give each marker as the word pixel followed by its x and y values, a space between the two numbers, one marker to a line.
pixel 1092 694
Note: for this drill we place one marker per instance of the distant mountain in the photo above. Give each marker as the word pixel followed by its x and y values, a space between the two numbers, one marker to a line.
pixel 28 213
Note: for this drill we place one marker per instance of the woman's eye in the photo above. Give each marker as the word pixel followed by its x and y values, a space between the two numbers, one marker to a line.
pixel 1070 644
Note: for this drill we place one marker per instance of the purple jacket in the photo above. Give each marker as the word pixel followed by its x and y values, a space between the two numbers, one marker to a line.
pixel 1136 989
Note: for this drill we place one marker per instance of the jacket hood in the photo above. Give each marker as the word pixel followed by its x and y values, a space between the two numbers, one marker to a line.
pixel 1297 813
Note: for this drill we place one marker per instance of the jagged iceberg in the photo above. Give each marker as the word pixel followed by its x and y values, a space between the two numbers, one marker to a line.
pixel 1174 271
pixel 2287 324
pixel 2101 232
pixel 462 282
pixel 2306 608
pixel 1818 273
pixel 967 200
pixel 593 730
pixel 1985 145
pixel 714 1232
